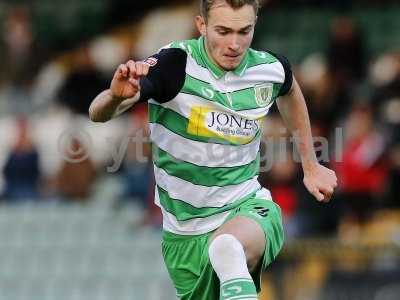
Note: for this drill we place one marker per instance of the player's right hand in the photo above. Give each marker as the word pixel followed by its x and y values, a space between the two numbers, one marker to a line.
pixel 125 83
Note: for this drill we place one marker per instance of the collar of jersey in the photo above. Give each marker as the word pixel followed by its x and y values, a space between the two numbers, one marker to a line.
pixel 215 70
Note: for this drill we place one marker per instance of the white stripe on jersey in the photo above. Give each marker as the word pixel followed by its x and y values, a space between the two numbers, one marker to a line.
pixel 198 196
pixel 203 154
pixel 198 225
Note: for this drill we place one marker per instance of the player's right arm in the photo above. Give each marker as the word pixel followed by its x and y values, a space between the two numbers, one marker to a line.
pixel 124 91
pixel 160 78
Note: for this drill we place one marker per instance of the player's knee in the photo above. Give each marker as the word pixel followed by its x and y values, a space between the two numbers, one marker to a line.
pixel 253 263
pixel 224 250
pixel 254 255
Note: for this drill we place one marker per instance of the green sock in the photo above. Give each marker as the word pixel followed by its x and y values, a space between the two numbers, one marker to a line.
pixel 238 289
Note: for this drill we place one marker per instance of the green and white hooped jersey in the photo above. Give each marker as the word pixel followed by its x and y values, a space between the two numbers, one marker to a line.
pixel 205 130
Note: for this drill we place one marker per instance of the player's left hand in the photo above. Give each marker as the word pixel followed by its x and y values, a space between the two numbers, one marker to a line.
pixel 320 182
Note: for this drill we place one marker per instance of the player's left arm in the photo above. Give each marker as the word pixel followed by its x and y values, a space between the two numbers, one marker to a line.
pixel 319 180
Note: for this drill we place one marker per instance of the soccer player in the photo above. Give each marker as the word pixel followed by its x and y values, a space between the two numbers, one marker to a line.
pixel 207 98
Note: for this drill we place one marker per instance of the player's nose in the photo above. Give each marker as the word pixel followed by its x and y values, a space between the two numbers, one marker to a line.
pixel 233 44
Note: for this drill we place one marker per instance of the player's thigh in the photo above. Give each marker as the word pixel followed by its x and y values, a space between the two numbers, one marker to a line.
pixel 187 265
pixel 267 214
pixel 249 233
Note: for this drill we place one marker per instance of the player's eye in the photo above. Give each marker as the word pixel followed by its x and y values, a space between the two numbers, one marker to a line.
pixel 223 32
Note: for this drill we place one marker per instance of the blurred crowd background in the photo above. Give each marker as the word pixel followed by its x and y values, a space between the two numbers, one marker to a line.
pixel 78 223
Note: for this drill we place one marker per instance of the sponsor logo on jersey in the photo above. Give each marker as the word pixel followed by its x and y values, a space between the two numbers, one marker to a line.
pixel 151 61
pixel 263 93
pixel 208 122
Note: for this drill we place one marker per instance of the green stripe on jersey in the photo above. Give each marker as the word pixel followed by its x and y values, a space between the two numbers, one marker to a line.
pixel 256 58
pixel 205 176
pixel 191 47
pixel 183 211
pixel 179 125
pixel 241 100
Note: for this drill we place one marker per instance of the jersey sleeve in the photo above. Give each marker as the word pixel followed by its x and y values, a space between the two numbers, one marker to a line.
pixel 166 75
pixel 287 84
pixel 287 68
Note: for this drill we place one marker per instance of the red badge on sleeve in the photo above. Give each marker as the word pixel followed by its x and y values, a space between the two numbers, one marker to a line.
pixel 151 61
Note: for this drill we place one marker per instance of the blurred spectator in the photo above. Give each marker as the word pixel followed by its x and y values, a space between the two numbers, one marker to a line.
pixel 346 52
pixel 82 84
pixel 386 98
pixel 386 104
pixel 330 92
pixel 77 174
pixel 21 171
pixel 363 173
pixel 325 103
pixel 21 57
pixel 19 51
pixel 136 176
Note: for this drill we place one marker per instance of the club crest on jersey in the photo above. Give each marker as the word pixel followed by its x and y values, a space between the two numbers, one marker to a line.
pixel 263 93
pixel 151 61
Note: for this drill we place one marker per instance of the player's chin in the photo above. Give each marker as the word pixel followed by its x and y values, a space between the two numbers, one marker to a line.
pixel 230 65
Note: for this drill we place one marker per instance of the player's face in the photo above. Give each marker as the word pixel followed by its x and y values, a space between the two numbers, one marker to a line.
pixel 228 33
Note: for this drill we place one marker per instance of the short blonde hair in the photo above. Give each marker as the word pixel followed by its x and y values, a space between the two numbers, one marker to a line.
pixel 205 5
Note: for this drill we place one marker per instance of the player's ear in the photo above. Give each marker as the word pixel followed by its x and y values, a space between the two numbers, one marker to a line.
pixel 201 25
